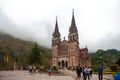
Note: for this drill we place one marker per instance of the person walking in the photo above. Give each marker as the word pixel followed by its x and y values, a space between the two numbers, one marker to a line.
pixel 30 69
pixel 84 76
pixel 100 72
pixel 78 71
pixel 117 77
pixel 49 70
pixel 34 69
pixel 87 73
pixel 90 69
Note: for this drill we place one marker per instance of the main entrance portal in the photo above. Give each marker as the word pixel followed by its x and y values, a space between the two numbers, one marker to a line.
pixel 63 64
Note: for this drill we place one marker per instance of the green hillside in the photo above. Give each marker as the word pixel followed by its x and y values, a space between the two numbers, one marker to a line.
pixel 106 57
pixel 18 50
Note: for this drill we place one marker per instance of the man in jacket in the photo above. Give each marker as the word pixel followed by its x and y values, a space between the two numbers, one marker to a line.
pixel 78 71
pixel 100 72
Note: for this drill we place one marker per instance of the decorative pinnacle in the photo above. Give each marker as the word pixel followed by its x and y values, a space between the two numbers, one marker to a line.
pixel 56 17
pixel 73 11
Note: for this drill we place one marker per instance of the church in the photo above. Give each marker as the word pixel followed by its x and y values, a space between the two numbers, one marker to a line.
pixel 67 53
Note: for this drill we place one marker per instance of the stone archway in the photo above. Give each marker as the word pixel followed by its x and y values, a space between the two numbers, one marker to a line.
pixel 66 64
pixel 63 64
pixel 59 65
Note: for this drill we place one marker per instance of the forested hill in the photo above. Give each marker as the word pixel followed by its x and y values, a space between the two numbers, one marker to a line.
pixel 18 49
pixel 11 45
pixel 107 57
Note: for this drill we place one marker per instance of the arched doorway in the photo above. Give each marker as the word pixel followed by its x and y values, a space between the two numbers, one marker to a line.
pixel 59 64
pixel 66 64
pixel 63 64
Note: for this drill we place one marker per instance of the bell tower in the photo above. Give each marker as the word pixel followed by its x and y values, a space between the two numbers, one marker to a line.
pixel 73 32
pixel 73 41
pixel 56 35
pixel 56 40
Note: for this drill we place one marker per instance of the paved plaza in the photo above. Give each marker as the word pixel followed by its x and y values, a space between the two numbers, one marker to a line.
pixel 24 75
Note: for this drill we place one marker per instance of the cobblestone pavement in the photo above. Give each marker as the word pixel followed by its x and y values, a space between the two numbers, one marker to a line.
pixel 24 75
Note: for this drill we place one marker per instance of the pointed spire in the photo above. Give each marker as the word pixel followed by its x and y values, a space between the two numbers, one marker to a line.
pixel 73 19
pixel 56 31
pixel 56 26
pixel 73 11
pixel 73 27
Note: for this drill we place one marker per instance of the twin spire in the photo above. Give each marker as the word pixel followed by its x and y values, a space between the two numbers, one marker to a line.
pixel 73 24
pixel 72 29
pixel 56 32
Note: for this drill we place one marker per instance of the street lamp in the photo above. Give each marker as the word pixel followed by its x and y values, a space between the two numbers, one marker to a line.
pixel 101 59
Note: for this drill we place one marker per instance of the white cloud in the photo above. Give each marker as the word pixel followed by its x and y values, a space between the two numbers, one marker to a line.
pixel 35 19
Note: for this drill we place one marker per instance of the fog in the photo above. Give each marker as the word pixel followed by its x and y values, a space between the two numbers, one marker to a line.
pixel 98 22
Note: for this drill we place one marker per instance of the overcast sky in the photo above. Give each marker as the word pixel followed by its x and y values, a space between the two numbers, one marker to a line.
pixel 98 21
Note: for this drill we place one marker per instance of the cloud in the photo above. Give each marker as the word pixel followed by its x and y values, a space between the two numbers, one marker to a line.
pixel 98 22
pixel 6 25
pixel 111 41
pixel 39 32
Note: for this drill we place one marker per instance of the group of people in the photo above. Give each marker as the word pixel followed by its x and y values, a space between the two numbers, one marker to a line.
pixel 87 72
pixel 32 69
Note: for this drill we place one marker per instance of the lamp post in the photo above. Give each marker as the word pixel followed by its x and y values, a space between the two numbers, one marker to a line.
pixel 101 59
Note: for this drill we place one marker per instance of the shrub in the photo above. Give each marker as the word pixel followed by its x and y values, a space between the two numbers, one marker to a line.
pixel 94 68
pixel 42 68
pixel 55 68
pixel 113 67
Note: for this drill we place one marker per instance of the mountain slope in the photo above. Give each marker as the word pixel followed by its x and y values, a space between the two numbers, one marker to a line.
pixel 16 49
pixel 107 57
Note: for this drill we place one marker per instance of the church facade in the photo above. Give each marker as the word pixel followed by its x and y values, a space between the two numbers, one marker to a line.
pixel 67 53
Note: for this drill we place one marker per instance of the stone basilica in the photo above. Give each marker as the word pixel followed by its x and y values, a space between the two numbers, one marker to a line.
pixel 68 53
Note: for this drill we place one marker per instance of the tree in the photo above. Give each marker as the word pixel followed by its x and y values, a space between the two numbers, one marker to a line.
pixel 113 67
pixel 36 55
pixel 118 62
pixel 94 67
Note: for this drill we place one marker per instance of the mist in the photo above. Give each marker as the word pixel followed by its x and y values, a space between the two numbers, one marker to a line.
pixel 98 22
pixel 37 32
